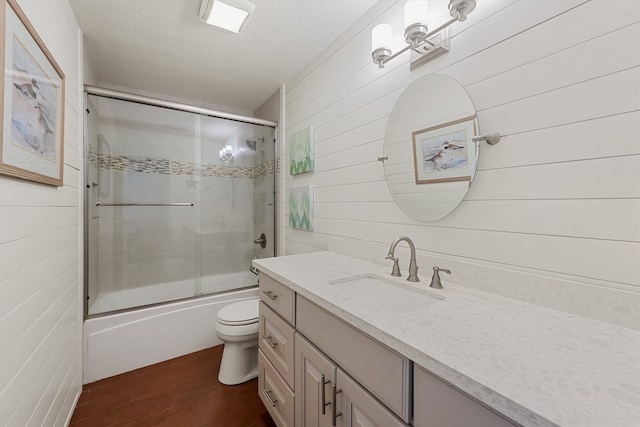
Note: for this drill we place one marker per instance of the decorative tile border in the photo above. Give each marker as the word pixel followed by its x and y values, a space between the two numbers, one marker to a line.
pixel 175 167
pixel 264 169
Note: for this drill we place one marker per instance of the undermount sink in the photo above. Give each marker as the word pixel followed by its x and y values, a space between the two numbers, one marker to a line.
pixel 385 293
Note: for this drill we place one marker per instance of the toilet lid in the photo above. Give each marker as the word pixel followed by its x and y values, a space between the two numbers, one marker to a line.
pixel 239 313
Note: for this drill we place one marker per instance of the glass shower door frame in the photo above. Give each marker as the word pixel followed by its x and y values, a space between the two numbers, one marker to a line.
pixel 91 90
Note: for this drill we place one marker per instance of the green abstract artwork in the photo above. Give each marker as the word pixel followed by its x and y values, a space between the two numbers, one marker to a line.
pixel 301 151
pixel 301 208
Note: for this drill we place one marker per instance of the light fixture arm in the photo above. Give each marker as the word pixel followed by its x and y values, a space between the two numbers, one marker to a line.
pixel 422 40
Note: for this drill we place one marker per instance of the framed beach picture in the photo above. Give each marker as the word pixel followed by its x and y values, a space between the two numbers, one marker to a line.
pixel 445 152
pixel 301 208
pixel 301 151
pixel 32 108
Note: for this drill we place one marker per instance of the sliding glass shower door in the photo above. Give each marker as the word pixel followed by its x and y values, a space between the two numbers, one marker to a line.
pixel 236 204
pixel 172 203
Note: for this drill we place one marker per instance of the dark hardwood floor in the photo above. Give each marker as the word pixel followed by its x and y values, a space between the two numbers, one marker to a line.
pixel 180 392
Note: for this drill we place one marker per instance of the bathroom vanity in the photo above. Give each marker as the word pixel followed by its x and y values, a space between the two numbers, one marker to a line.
pixel 332 357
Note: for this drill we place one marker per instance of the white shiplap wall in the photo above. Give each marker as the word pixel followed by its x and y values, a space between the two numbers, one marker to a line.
pixel 40 259
pixel 553 215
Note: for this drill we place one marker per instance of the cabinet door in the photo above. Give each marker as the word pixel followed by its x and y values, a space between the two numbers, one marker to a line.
pixel 383 372
pixel 439 404
pixel 357 408
pixel 315 375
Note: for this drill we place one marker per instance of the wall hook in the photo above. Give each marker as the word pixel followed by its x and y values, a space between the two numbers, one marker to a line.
pixel 382 159
pixel 489 138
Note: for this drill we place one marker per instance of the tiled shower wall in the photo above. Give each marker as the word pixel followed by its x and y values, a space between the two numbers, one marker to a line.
pixel 136 160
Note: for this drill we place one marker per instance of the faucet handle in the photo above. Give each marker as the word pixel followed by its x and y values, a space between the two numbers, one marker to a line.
pixel 395 272
pixel 435 280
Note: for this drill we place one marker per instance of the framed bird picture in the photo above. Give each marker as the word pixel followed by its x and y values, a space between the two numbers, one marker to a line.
pixel 32 108
pixel 445 153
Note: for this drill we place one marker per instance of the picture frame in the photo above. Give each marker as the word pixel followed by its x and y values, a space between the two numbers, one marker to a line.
pixel 301 208
pixel 32 107
pixel 301 151
pixel 446 152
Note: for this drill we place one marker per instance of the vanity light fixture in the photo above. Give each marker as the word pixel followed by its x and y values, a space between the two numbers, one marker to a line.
pixel 228 14
pixel 426 44
pixel 226 153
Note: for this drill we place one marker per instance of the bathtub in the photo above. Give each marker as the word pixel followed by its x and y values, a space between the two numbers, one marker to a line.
pixel 122 342
pixel 162 292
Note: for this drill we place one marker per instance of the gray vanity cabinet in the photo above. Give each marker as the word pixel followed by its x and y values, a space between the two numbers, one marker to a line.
pixel 340 369
pixel 306 353
pixel 385 373
pixel 326 396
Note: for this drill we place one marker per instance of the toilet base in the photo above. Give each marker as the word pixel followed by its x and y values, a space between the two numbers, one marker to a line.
pixel 239 362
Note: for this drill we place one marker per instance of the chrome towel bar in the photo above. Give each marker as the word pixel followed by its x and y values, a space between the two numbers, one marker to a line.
pixel 145 204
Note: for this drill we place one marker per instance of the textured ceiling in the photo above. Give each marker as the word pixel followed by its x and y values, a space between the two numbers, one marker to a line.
pixel 161 46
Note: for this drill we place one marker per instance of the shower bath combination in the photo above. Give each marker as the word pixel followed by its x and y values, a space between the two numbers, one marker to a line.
pixel 150 177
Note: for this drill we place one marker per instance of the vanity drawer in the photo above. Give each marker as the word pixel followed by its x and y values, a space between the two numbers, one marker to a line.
pixel 277 296
pixel 276 342
pixel 383 372
pixel 436 403
pixel 274 393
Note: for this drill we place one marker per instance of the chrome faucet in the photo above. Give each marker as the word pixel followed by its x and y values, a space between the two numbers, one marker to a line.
pixel 435 280
pixel 413 266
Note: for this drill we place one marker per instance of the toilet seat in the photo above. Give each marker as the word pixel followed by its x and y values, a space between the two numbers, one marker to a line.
pixel 240 313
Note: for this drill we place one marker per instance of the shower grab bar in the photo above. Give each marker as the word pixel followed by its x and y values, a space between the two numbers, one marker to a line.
pixel 145 204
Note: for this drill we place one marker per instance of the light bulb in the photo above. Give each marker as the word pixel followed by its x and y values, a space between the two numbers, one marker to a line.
pixel 381 37
pixel 415 12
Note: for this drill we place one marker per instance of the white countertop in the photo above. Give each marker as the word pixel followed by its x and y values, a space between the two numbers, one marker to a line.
pixel 537 366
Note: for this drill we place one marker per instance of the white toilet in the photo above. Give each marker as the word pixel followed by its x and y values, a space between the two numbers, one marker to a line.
pixel 237 326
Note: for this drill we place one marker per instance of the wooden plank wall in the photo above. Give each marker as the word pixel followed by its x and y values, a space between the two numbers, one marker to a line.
pixel 558 197
pixel 40 259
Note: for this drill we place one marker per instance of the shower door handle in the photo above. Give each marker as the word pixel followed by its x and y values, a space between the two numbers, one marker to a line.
pixel 262 241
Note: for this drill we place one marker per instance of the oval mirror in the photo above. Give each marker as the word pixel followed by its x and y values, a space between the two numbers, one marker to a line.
pixel 431 158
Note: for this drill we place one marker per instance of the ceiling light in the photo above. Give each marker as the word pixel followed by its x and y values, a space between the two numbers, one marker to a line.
pixel 228 14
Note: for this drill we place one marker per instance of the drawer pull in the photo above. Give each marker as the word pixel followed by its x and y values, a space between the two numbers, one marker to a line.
pixel 324 399
pixel 271 343
pixel 335 414
pixel 267 394
pixel 271 295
